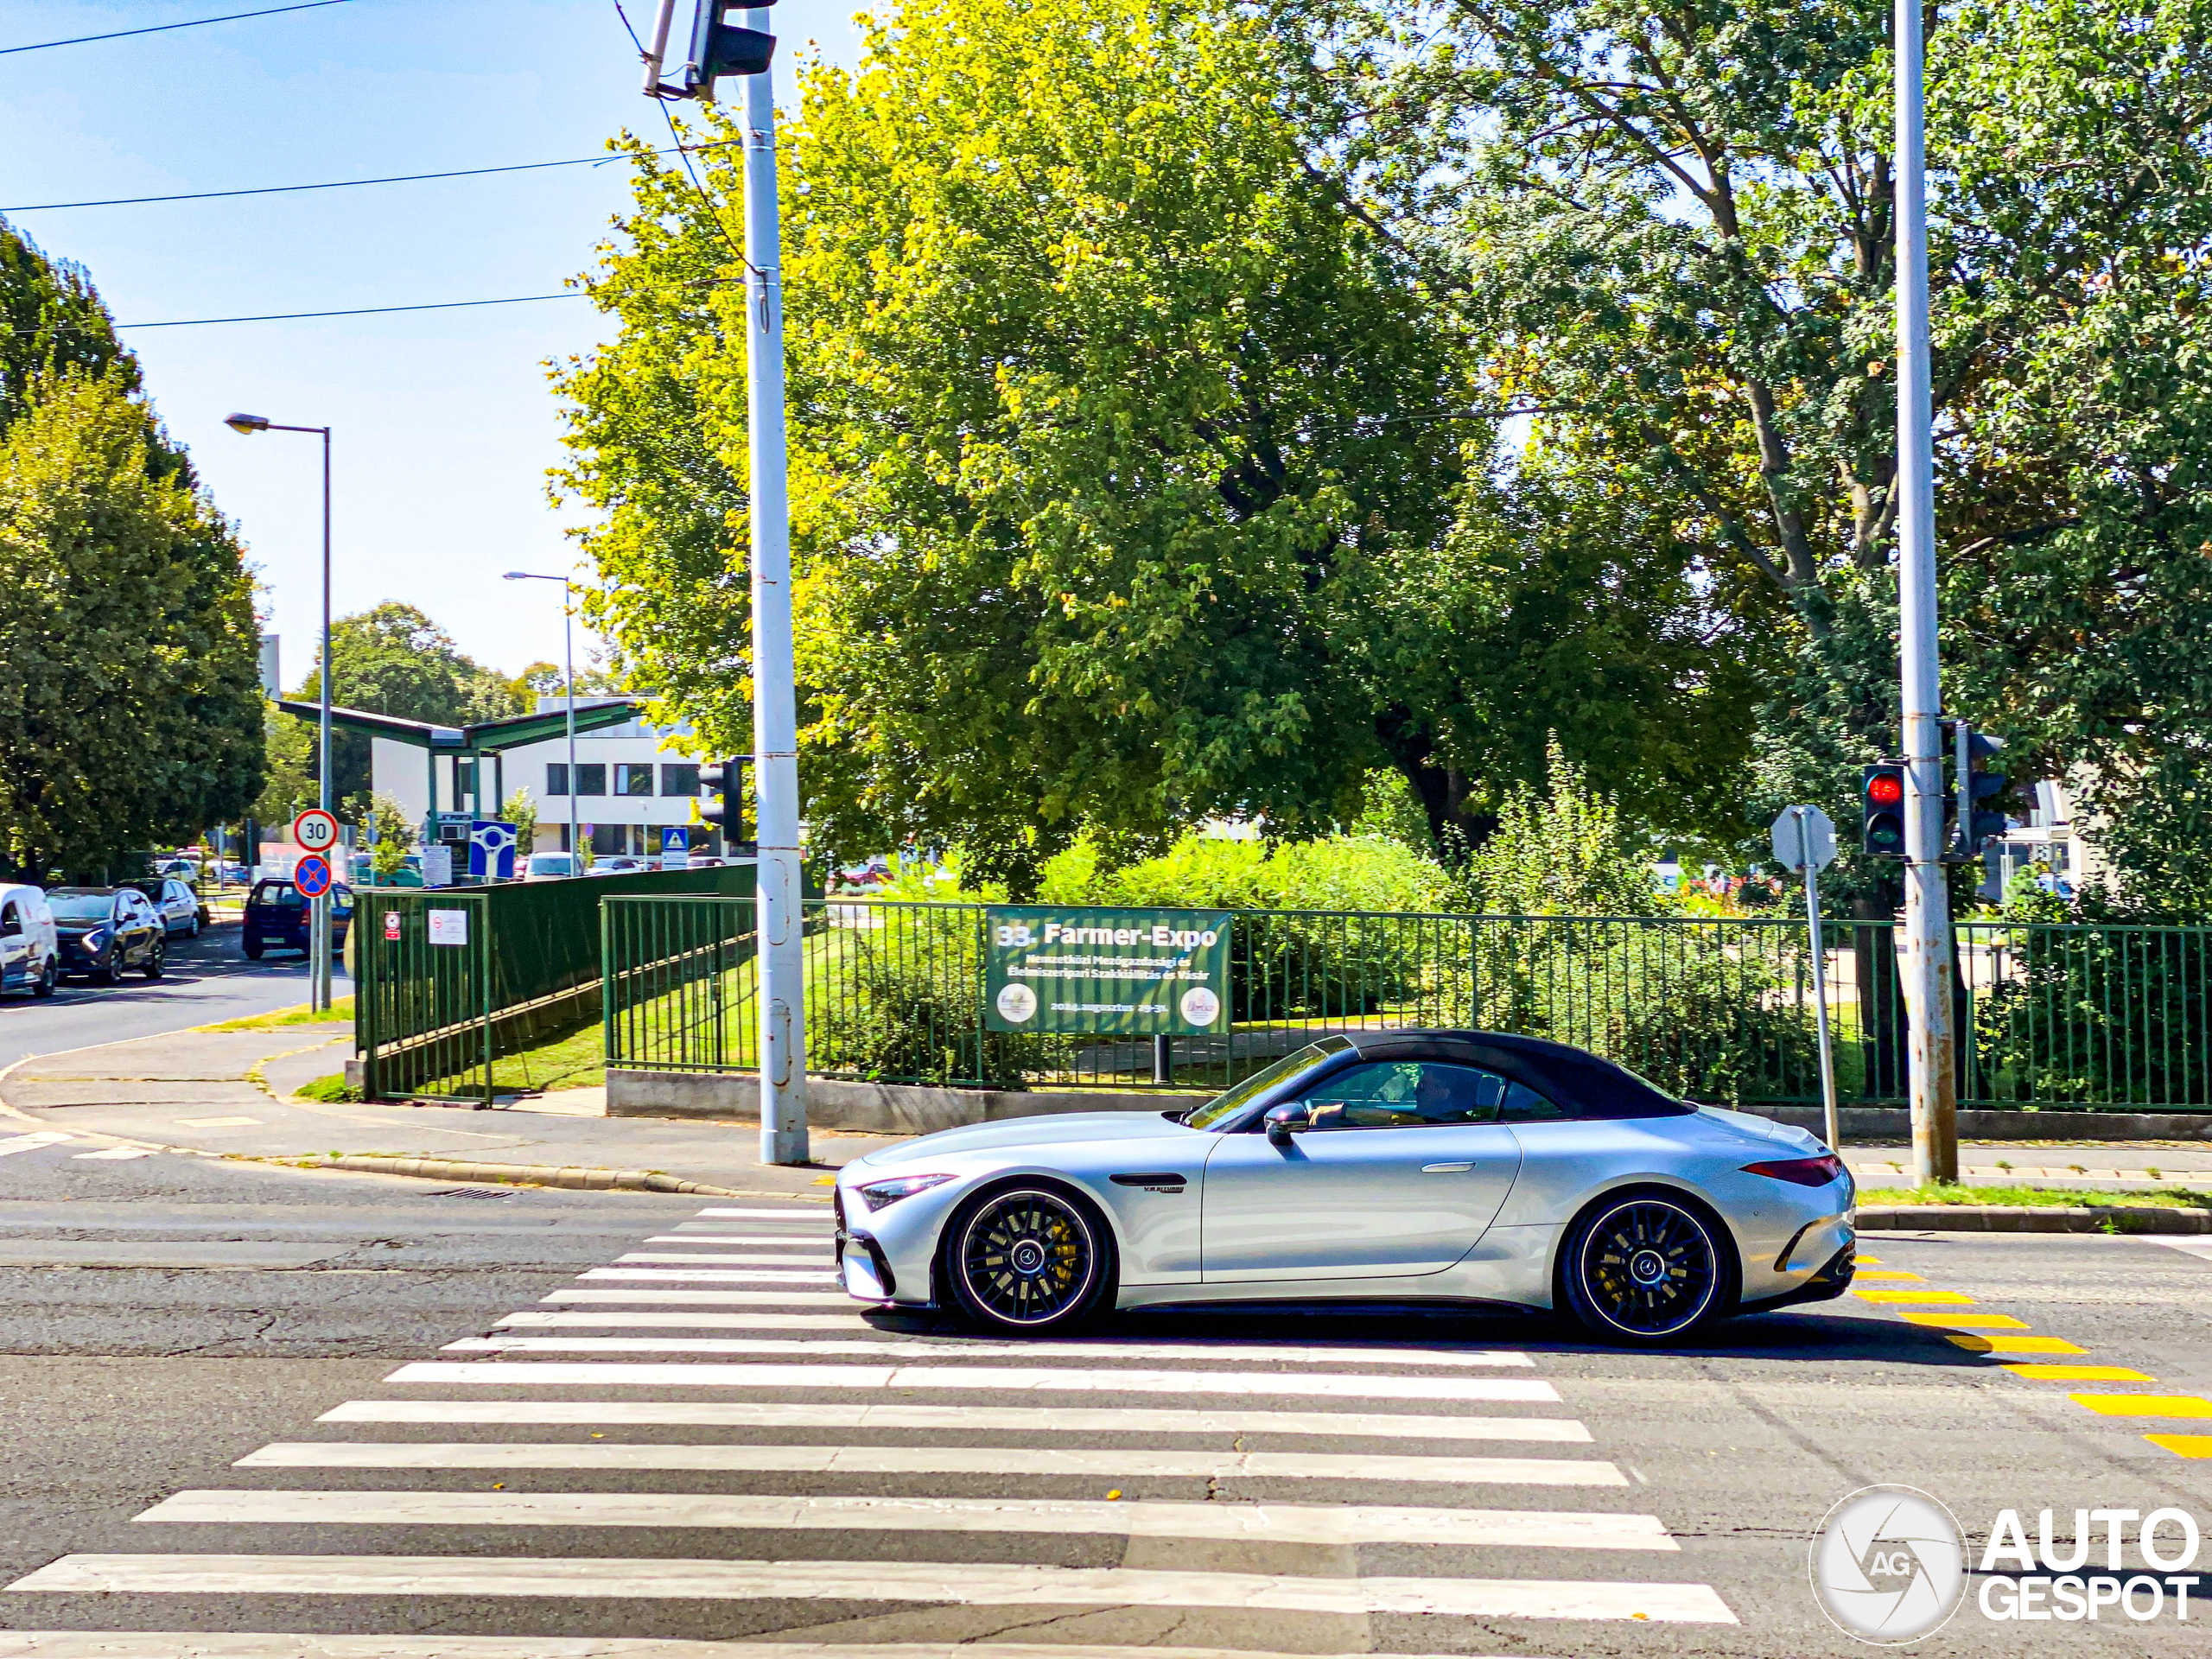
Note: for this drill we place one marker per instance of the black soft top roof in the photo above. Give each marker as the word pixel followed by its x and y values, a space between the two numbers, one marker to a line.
pixel 1579 1080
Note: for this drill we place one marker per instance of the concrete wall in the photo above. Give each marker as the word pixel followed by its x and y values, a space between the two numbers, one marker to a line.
pixel 899 1108
pixel 873 1108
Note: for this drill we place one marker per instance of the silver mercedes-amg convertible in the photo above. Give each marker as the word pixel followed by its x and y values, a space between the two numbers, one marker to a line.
pixel 1387 1167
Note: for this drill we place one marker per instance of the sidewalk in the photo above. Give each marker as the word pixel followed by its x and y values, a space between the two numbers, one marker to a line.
pixel 229 1093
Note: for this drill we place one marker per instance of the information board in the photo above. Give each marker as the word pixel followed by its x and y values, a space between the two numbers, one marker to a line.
pixel 1137 973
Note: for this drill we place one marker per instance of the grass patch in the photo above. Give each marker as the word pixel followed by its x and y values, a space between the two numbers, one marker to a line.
pixel 2036 1198
pixel 341 1013
pixel 332 1088
pixel 575 1059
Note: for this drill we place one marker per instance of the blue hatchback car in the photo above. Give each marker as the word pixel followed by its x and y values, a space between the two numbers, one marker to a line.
pixel 277 917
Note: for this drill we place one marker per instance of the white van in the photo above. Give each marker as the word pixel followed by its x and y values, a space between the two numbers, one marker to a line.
pixel 30 956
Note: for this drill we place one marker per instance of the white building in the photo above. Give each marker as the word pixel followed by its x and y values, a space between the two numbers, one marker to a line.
pixel 630 784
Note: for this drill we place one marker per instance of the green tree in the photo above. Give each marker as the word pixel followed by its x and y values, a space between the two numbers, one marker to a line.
pixel 521 810
pixel 127 710
pixel 1126 465
pixel 1672 234
pixel 393 659
pixel 392 836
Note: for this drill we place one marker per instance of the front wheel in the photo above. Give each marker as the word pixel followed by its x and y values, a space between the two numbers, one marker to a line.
pixel 1031 1259
pixel 109 970
pixel 1646 1269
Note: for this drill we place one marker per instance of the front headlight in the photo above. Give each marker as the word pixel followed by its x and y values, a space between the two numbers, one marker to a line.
pixel 97 939
pixel 876 1194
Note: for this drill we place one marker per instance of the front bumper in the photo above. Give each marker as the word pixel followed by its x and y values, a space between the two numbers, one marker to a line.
pixel 862 1267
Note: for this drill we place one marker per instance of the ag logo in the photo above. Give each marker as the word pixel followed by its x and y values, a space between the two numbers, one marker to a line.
pixel 1016 1002
pixel 1888 1565
pixel 1200 1005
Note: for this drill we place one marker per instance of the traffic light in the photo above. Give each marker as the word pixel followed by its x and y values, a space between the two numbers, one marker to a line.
pixel 1982 823
pixel 1881 794
pixel 727 812
pixel 719 48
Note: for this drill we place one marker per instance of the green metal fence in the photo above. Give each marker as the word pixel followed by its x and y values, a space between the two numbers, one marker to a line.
pixel 1719 1009
pixel 423 993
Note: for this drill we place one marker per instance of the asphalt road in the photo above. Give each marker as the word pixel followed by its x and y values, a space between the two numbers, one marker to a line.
pixel 207 979
pixel 1454 1483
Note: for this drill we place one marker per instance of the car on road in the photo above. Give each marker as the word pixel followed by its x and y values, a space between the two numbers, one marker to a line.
pixel 277 917
pixel 30 950
pixel 176 903
pixel 618 865
pixel 1393 1168
pixel 409 874
pixel 106 931
pixel 549 866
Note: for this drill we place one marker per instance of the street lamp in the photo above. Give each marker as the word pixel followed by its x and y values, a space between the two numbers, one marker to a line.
pixel 569 655
pixel 246 425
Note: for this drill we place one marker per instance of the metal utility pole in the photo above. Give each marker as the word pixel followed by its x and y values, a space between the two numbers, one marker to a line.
pixel 775 702
pixel 1927 964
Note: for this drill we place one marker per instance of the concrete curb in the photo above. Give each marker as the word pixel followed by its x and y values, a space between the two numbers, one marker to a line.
pixel 2007 1218
pixel 588 1180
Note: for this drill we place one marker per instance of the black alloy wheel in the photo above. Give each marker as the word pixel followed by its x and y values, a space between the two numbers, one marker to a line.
pixel 155 953
pixel 111 964
pixel 1646 1269
pixel 1028 1259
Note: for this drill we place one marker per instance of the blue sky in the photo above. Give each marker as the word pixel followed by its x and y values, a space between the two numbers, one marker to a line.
pixel 444 426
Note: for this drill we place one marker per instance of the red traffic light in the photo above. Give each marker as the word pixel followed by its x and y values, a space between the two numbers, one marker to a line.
pixel 1885 789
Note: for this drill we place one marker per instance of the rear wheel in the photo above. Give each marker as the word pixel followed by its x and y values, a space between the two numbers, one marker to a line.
pixel 1031 1258
pixel 1647 1268
pixel 252 949
pixel 49 980
pixel 155 954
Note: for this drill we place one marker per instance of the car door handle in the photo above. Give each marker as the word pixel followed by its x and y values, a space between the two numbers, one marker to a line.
pixel 1446 1169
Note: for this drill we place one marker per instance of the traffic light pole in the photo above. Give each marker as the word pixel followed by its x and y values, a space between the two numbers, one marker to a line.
pixel 1927 966
pixel 775 703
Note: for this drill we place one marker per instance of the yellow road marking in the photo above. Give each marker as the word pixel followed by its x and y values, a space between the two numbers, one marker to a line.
pixel 1866 1261
pixel 2079 1374
pixel 1967 1321
pixel 2184 1445
pixel 1912 1298
pixel 2002 1343
pixel 2145 1405
pixel 1890 1273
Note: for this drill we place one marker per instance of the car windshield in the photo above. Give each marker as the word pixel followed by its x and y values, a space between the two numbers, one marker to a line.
pixel 548 864
pixel 80 906
pixel 1227 1103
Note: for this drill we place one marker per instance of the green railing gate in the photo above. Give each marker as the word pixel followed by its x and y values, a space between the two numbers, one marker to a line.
pixel 423 995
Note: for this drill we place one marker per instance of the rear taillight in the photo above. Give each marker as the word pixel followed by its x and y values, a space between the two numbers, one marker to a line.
pixel 1800 1172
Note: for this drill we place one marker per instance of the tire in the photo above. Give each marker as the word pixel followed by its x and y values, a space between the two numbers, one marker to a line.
pixel 48 982
pixel 252 949
pixel 1647 1268
pixel 1028 1258
pixel 155 953
pixel 192 933
pixel 107 973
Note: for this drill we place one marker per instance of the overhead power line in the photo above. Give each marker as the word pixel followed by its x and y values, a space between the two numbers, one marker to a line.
pixel 347 184
pixel 358 311
pixel 164 29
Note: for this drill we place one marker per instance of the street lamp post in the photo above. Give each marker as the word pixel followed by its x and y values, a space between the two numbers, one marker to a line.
pixel 319 995
pixel 568 668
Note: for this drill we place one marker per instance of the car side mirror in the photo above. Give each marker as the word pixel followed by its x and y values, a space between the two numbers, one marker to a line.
pixel 1283 1122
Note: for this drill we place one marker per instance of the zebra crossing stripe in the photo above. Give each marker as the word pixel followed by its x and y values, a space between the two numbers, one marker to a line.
pixel 602 1456
pixel 1025 1420
pixel 1258 1522
pixel 967 1583
pixel 706 1298
pixel 553 1373
pixel 792 1241
pixel 32 1142
pixel 955 1348
pixel 790 1258
pixel 238 1644
pixel 820 1217
pixel 536 1320
pixel 711 1277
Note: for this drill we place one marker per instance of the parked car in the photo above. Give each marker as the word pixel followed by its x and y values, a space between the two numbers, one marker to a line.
pixel 549 866
pixel 30 951
pixel 276 916
pixel 176 903
pixel 618 866
pixel 409 874
pixel 104 931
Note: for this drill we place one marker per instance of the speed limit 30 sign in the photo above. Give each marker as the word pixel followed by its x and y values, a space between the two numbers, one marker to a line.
pixel 316 829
